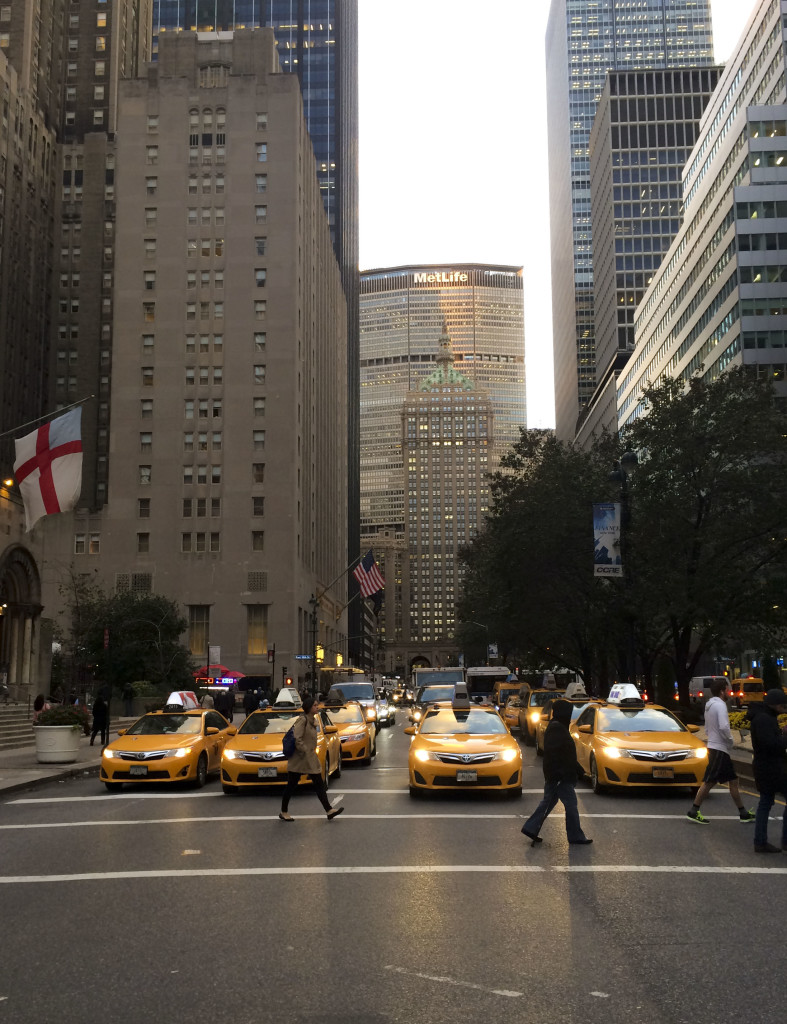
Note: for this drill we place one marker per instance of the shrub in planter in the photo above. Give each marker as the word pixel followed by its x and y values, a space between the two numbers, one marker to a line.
pixel 66 714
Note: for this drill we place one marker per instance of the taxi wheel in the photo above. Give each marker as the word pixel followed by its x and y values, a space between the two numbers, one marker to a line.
pixel 415 793
pixel 374 746
pixel 338 771
pixel 326 771
pixel 597 786
pixel 114 787
pixel 229 790
pixel 202 771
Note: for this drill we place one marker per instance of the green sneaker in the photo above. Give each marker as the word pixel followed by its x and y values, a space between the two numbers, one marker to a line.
pixel 697 816
pixel 747 816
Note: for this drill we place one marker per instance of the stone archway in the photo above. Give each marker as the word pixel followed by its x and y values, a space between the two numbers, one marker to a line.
pixel 20 614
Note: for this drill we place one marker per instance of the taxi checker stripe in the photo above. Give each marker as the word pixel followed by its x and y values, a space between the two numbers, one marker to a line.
pixel 42 461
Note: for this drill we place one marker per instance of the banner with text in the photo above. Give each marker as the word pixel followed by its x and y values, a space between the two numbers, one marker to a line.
pixel 606 533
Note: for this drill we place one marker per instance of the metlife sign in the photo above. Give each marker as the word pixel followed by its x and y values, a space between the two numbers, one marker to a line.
pixel 442 277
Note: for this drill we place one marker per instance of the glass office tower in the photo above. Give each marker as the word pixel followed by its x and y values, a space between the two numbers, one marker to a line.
pixel 586 38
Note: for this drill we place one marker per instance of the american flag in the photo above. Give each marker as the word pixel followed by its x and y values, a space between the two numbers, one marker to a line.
pixel 368 575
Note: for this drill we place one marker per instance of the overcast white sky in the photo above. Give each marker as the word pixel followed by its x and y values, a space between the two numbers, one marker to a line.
pixel 453 145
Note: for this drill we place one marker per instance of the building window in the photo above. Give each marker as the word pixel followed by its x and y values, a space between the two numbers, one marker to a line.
pixel 260 214
pixel 146 408
pixel 149 279
pixel 151 186
pixel 262 152
pixel 257 540
pixel 260 244
pixel 257 628
pixel 215 544
pixel 258 438
pixel 200 541
pixel 188 408
pixel 143 543
pixel 259 341
pixel 151 154
pixel 217 408
pixel 259 406
pixel 151 215
pixel 260 309
pixel 215 474
pixel 258 506
pixel 261 182
pixel 101 43
pixel 79 543
pixel 185 545
pixel 143 508
pixel 259 374
pixel 147 376
pixel 145 441
pixel 258 473
pixel 144 475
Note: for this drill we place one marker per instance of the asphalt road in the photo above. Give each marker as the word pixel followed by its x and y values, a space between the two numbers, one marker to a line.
pixel 191 906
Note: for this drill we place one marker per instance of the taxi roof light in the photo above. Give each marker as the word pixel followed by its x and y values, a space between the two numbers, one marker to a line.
pixel 625 695
pixel 461 698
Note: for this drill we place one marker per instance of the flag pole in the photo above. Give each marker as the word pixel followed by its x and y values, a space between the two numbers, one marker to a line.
pixel 49 415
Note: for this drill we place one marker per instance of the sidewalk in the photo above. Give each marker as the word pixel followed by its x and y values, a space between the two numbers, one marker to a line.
pixel 20 770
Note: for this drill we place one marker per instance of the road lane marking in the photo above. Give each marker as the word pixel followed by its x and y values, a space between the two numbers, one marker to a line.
pixel 455 981
pixel 397 869
pixel 318 817
pixel 131 795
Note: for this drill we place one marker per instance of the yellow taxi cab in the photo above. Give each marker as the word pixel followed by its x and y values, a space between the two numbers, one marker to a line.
pixel 533 700
pixel 747 690
pixel 577 704
pixel 626 742
pixel 181 743
pixel 461 745
pixel 510 713
pixel 356 733
pixel 255 757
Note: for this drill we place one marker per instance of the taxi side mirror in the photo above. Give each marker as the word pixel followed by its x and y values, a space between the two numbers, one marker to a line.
pixel 211 731
pixel 329 729
pixel 693 728
pixel 585 728
pixel 122 732
pixel 232 731
pixel 410 730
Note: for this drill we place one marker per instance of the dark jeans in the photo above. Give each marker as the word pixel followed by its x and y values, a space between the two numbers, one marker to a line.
pixel 103 728
pixel 566 794
pixel 292 784
pixel 767 800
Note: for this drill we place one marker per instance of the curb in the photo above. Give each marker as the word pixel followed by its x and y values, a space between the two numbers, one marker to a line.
pixel 59 776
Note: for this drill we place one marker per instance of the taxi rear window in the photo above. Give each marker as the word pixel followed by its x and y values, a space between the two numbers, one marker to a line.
pixel 540 697
pixel 427 694
pixel 753 687
pixel 450 721
pixel 267 722
pixel 637 720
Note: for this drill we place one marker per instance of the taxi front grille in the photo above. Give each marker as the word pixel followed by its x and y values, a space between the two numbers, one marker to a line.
pixel 679 778
pixel 147 755
pixel 486 780
pixel 121 776
pixel 660 756
pixel 254 755
pixel 465 758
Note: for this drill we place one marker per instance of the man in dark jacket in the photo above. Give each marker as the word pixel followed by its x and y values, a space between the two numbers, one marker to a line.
pixel 561 771
pixel 769 743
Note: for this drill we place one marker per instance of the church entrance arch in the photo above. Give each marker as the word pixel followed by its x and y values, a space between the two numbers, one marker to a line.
pixel 20 615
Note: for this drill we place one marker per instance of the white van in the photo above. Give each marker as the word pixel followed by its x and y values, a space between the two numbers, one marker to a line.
pixel 699 687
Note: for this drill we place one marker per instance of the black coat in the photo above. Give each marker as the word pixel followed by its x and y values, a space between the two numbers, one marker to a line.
pixel 768 744
pixel 560 754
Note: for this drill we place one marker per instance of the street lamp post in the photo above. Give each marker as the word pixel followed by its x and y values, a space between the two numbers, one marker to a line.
pixel 481 624
pixel 622 471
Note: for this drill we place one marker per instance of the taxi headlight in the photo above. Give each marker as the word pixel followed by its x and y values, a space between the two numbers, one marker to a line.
pixel 509 755
pixel 424 755
pixel 109 753
pixel 700 752
pixel 535 716
pixel 233 755
pixel 417 716
pixel 354 737
pixel 615 752
pixel 371 714
pixel 177 752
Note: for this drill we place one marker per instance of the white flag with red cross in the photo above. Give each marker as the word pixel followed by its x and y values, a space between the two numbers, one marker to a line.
pixel 48 467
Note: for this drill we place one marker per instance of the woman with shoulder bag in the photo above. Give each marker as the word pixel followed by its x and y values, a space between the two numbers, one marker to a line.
pixel 305 761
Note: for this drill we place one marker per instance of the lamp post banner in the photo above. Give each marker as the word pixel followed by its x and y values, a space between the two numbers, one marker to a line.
pixel 606 533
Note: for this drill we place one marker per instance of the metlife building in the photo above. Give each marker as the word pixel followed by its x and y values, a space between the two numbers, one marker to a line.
pixel 403 311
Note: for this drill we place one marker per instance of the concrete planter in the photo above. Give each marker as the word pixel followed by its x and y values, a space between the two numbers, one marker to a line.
pixel 56 744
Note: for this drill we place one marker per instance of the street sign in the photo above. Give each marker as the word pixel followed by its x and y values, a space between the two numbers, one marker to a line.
pixel 303 657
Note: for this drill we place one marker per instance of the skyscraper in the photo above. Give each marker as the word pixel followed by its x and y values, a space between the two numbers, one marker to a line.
pixel 586 38
pixel 317 41
pixel 645 127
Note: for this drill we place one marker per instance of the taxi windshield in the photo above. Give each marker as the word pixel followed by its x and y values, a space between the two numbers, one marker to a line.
pixel 341 715
pixel 538 698
pixel 262 722
pixel 428 694
pixel 155 725
pixel 638 720
pixel 450 721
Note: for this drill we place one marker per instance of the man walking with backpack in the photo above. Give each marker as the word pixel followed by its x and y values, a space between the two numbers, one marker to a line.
pixel 304 761
pixel 769 743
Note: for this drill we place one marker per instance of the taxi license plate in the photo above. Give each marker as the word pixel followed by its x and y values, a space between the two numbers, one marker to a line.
pixel 267 773
pixel 467 776
pixel 663 773
pixel 138 769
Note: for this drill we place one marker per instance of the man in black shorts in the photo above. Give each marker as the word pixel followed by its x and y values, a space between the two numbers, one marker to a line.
pixel 720 767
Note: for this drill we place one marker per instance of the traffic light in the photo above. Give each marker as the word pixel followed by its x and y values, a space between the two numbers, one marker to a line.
pixel 288 681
